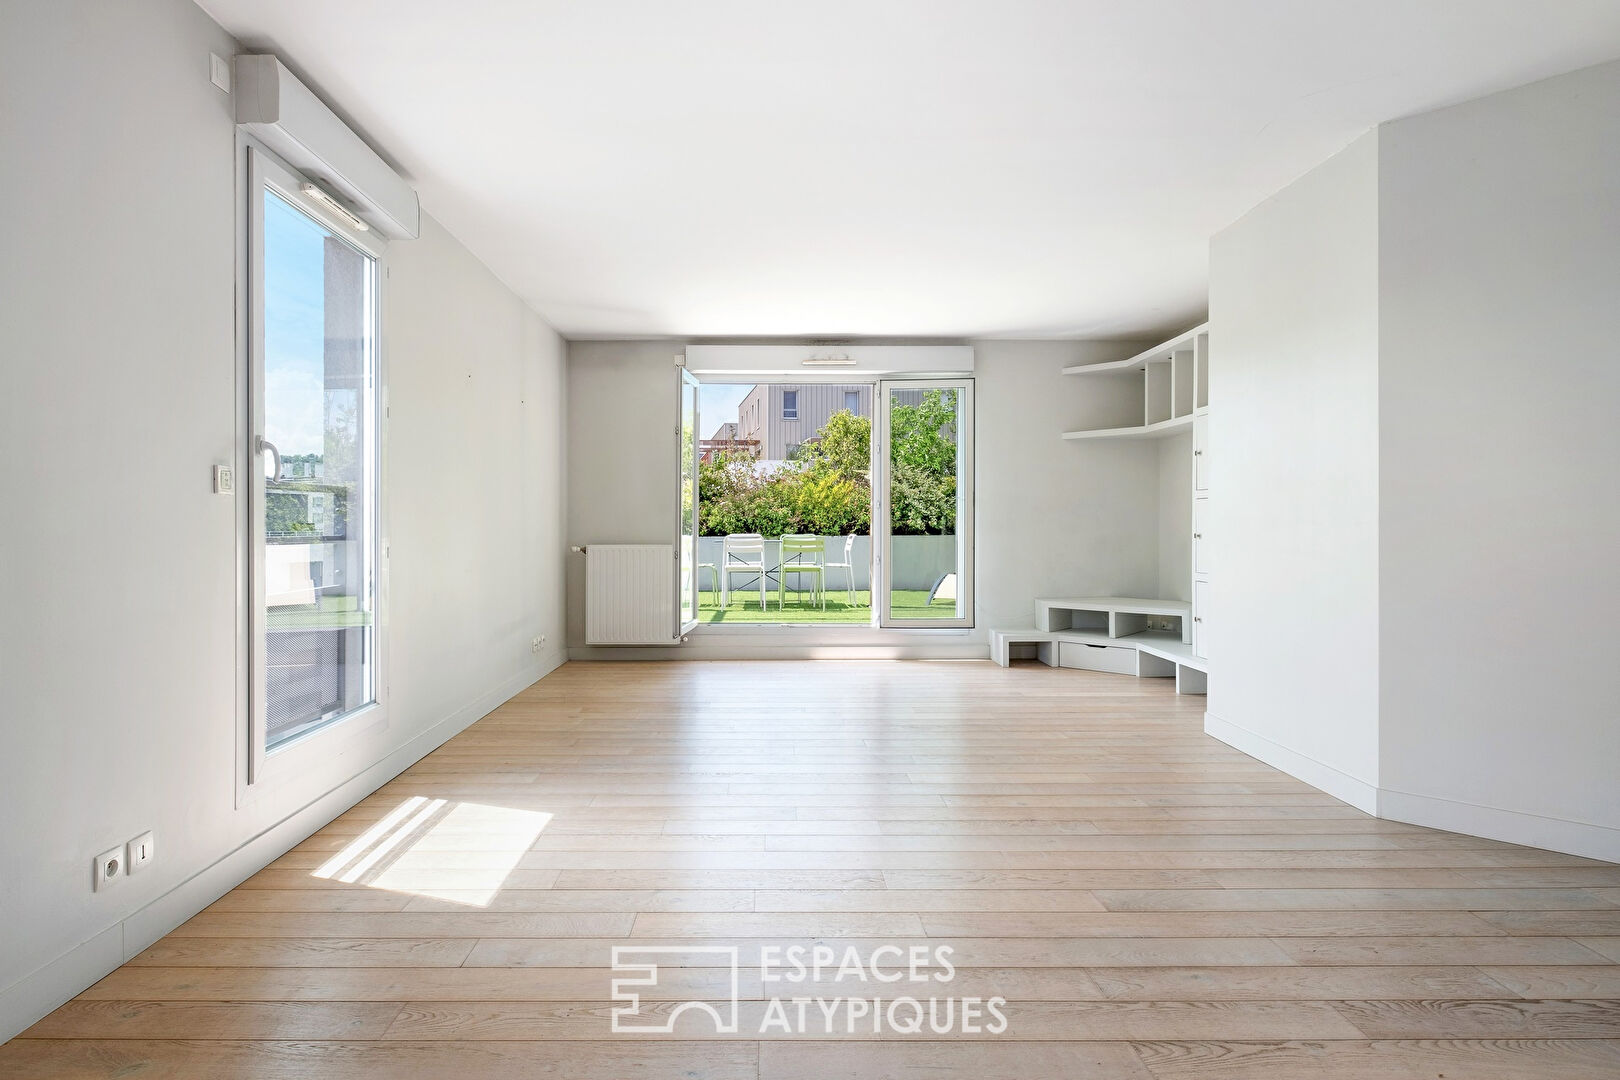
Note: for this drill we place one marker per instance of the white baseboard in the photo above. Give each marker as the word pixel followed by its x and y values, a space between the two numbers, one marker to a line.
pixel 35 995
pixel 1489 822
pixel 1509 826
pixel 1341 785
pixel 741 650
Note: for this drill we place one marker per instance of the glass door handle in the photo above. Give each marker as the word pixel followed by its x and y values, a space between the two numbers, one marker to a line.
pixel 265 446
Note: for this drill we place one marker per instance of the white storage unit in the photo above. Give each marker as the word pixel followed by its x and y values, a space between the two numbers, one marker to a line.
pixel 1203 558
pixel 1146 636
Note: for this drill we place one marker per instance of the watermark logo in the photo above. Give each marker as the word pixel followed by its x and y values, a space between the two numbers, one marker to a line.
pixel 629 1019
pixel 893 989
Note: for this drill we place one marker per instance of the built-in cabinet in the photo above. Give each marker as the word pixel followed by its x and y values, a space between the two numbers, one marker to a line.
pixel 1201 558
pixel 1166 635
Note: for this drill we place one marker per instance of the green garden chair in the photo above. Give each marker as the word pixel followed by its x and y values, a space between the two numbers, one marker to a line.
pixel 802 554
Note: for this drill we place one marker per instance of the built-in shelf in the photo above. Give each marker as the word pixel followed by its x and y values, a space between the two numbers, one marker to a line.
pixel 1175 385
pixel 1163 429
pixel 1159 354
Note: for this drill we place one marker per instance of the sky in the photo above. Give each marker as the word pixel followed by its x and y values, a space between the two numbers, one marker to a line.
pixel 717 403
pixel 294 330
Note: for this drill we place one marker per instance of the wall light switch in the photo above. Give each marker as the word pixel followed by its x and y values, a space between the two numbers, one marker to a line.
pixel 224 480
pixel 219 72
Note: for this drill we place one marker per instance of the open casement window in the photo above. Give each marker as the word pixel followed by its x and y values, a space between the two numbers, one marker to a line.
pixel 922 502
pixel 313 448
pixel 686 532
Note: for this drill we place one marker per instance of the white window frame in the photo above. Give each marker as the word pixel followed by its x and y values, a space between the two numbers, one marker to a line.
pixel 315 762
pixel 686 560
pixel 785 392
pixel 881 531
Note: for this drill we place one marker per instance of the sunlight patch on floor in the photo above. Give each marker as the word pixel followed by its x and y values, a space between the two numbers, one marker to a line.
pixel 501 834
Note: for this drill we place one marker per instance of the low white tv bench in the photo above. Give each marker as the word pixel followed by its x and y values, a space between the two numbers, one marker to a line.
pixel 1109 633
pixel 1118 616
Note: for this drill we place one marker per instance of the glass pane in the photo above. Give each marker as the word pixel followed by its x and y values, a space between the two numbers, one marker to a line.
pixel 319 511
pixel 795 498
pixel 925 494
pixel 689 501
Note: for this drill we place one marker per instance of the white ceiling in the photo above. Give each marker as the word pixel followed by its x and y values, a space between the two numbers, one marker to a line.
pixel 1027 168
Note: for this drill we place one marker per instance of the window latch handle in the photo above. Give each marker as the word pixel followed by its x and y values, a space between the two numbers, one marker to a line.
pixel 265 446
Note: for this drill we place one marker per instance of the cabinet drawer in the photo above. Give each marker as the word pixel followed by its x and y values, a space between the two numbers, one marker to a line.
pixel 1120 659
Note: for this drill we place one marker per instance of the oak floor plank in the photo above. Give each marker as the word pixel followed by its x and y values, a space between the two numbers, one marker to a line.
pixel 1467 1059
pixel 1296 983
pixel 1608 946
pixel 1001 1060
pixel 194 1059
pixel 1278 924
pixel 1483 1019
pixel 975 952
pixel 1558 982
pixel 1427 951
pixel 108 1018
pixel 920 900
pixel 1025 1020
pixel 1478 901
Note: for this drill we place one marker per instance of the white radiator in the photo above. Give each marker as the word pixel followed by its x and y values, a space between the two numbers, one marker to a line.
pixel 629 594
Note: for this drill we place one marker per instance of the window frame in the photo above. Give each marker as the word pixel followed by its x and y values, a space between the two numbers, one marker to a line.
pixel 312 761
pixel 795 414
pixel 967 553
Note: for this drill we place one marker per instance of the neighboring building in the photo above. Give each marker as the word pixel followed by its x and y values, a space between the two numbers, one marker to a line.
pixel 783 415
pixel 727 440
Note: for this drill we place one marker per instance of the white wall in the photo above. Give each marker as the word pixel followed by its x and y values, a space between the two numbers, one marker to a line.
pixel 1500 520
pixel 1059 518
pixel 1294 491
pixel 1413 442
pixel 117 563
pixel 1053 517
pixel 622 479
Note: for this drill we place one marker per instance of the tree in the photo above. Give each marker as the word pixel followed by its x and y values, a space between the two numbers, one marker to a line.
pixel 826 489
pixel 924 434
pixel 842 447
pixel 922 465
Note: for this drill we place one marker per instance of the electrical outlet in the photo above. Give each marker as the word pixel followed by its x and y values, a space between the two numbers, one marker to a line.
pixel 109 868
pixel 141 851
pixel 538 643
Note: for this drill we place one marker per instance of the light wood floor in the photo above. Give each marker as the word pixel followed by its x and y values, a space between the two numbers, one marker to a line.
pixel 1152 904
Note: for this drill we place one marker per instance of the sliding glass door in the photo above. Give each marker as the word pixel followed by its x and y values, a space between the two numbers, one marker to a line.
pixel 313 429
pixel 923 502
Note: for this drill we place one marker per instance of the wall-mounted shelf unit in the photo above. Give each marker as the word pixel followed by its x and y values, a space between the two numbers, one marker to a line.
pixel 1175 385
pixel 1160 430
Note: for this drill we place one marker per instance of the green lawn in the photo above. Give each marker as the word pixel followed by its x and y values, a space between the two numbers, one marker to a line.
pixel 798 608
pixel 332 613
